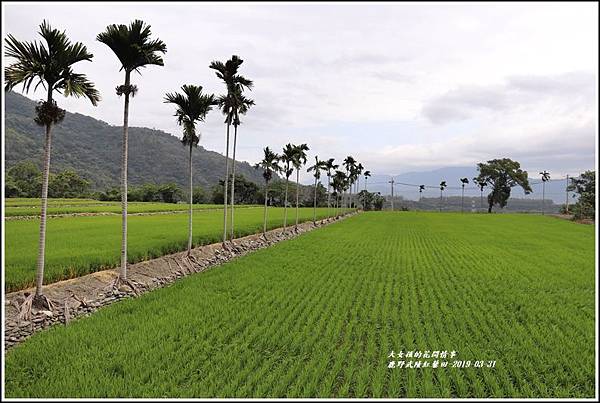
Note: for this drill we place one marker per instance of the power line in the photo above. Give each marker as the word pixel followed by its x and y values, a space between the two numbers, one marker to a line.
pixel 468 188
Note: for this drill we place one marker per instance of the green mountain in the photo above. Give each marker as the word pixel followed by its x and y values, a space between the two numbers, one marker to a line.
pixel 93 149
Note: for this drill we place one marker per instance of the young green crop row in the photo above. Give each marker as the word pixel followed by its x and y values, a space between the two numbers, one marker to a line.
pixel 79 245
pixel 318 316
pixel 35 202
pixel 114 207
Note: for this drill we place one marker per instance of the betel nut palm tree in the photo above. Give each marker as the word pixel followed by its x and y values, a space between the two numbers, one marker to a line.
pixel 241 105
pixel 317 168
pixel 192 107
pixel 545 178
pixel 329 167
pixel 298 161
pixel 49 64
pixel 442 187
pixel 464 181
pixel 228 73
pixel 287 157
pixel 135 49
pixel 269 165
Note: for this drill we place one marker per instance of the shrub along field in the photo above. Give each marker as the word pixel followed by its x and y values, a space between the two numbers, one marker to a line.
pixel 79 245
pixel 31 207
pixel 318 316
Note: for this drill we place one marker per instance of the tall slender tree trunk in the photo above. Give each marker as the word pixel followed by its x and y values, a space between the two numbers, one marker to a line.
pixel 287 181
pixel 350 195
pixel 328 197
pixel 41 259
pixel 462 200
pixel 543 196
pixel 225 184
pixel 441 194
pixel 482 199
pixel 233 178
pixel 297 196
pixel 335 207
pixel 191 202
pixel 315 205
pixel 123 273
pixel 265 212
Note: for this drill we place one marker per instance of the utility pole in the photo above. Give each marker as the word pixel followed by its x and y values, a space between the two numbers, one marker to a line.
pixel 567 191
pixel 392 183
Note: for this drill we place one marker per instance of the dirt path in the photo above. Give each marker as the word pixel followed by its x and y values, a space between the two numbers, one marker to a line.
pixel 82 296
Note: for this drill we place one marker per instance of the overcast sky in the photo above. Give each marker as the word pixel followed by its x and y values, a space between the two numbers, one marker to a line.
pixel 401 87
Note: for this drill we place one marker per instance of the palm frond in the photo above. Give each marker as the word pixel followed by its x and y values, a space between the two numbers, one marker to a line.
pixel 49 64
pixel 132 45
pixel 192 107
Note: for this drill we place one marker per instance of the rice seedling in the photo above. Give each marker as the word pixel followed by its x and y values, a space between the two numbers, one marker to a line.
pixel 319 316
pixel 81 245
pixel 65 206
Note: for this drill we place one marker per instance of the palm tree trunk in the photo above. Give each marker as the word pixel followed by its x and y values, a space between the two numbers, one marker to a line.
pixel 297 196
pixel 191 202
pixel 328 197
pixel 315 205
pixel 265 212
pixel 233 178
pixel 441 193
pixel 543 195
pixel 335 207
pixel 39 281
pixel 123 273
pixel 287 181
pixel 462 200
pixel 225 185
pixel 350 195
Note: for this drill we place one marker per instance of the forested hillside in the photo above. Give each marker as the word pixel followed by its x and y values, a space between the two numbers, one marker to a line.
pixel 93 149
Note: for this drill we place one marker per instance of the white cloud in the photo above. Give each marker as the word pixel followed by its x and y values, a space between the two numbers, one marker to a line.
pixel 341 77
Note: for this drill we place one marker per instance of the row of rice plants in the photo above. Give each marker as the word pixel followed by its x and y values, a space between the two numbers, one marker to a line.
pixel 80 245
pixel 318 316
pixel 132 208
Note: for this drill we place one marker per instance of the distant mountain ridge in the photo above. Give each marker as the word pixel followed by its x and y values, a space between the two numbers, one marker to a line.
pixel 93 149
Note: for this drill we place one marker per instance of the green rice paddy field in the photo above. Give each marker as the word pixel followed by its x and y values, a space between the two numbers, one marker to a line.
pixel 31 207
pixel 79 245
pixel 318 316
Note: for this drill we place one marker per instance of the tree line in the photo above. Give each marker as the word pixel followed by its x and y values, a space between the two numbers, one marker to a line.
pixel 49 63
pixel 340 184
pixel 501 175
